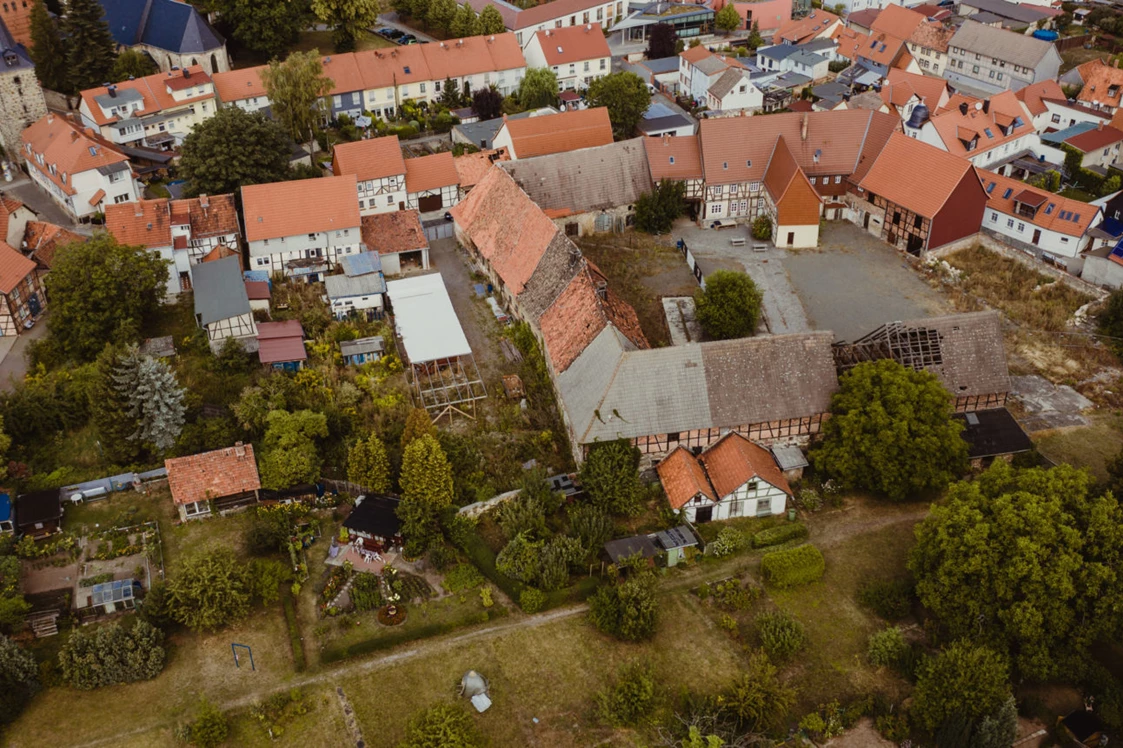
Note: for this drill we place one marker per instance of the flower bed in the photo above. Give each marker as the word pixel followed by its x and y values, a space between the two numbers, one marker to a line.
pixel 392 615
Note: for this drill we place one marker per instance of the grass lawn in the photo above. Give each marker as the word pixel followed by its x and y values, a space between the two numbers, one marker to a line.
pixel 833 666
pixel 1090 446
pixel 1078 56
pixel 550 672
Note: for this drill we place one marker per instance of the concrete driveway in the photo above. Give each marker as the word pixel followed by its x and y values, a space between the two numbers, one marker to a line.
pixel 13 350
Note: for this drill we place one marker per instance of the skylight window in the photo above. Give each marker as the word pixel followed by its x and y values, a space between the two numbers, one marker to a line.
pixel 990 187
pixel 1006 195
pixel 1065 215
pixel 672 159
pixel 989 133
pixel 406 69
pixel 1076 218
pixel 1049 209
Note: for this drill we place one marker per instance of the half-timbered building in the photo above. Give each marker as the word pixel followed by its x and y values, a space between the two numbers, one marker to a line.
pixel 222 307
pixel 379 170
pixel 432 183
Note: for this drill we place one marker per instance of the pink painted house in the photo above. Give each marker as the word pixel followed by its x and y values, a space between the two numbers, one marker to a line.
pixel 769 14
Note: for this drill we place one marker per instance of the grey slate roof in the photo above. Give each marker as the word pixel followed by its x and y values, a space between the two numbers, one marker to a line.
pixel 342 286
pixel 662 65
pixel 614 391
pixel 726 83
pixel 362 345
pixel 711 65
pixel 124 96
pixel 220 292
pixel 677 537
pixel 618 550
pixel 557 266
pixel 590 179
pixel 810 59
pixel 1021 13
pixel 481 132
pixel 778 52
pixel 1018 49
pixel 164 24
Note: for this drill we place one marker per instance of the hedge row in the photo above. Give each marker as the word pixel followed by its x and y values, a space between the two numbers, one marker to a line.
pixel 780 534
pixel 400 635
pixel 793 567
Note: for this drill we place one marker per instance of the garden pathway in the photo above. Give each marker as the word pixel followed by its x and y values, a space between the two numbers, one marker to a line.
pixel 837 527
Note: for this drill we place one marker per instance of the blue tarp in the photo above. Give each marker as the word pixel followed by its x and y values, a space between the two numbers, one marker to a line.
pixel 5 507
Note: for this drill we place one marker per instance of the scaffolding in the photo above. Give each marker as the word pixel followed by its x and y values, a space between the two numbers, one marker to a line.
pixel 915 347
pixel 448 386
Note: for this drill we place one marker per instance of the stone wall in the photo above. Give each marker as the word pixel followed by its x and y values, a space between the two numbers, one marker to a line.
pixel 21 103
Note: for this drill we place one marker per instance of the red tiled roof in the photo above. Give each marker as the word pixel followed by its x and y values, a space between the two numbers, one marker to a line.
pixel 674 158
pixel 306 206
pixel 14 267
pixel 212 475
pixel 155 91
pixel 374 158
pixel 69 147
pixel 901 86
pixel 288 328
pixel 551 10
pixel 683 478
pixel 1093 140
pixel 208 215
pixel 344 73
pixel 236 85
pixel 804 28
pixel 44 239
pixel 508 230
pixel 954 127
pixel 471 167
pixel 17 18
pixel 457 58
pixel 96 198
pixel 801 105
pixel 146 223
pixel 8 206
pixel 559 133
pixel 221 252
pixel 894 175
pixel 863 18
pixel 579 314
pixel 383 68
pixel 390 233
pixel 734 460
pixel 431 172
pixel 573 44
pixel 898 21
pixel 933 36
pixel 878 46
pixel 1034 95
pixel 1103 84
pixel 1061 214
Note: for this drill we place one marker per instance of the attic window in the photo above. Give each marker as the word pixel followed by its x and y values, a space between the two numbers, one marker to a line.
pixel 1065 214
pixel 559 50
pixel 990 188
pixel 749 163
pixel 725 164
pixel 93 150
pixel 672 159
pixel 873 44
pixel 1076 218
pixel 989 133
pixel 1006 195
pixel 406 69
pixel 1049 209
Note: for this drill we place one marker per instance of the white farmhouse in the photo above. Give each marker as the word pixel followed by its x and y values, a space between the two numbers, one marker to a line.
pixel 576 54
pixel 300 229
pixel 379 169
pixel 82 173
pixel 731 478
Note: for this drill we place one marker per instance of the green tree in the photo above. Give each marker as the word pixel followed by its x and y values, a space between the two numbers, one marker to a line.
pixel 891 431
pixel 631 697
pixel 762 228
pixel 1110 185
pixel 266 575
pixel 231 149
pixel 1023 561
pixel 368 465
pixel 627 608
pixel 101 291
pixel 758 700
pixel 13 608
pixel 755 39
pixel 539 88
pixel 297 86
pixel 661 39
pixel 426 473
pixel 610 476
pixel 19 679
pixel 491 22
pixel 109 407
pixel 487 103
pixel 626 97
pixel 132 63
pixel 418 424
pixel 656 211
pixel 729 306
pixel 154 397
pixel 450 90
pixel 519 559
pixel 210 589
pixel 48 51
pixel 999 729
pixel 350 19
pixel 209 729
pixel 728 19
pixel 965 680
pixel 265 27
pixel 441 14
pixel 5 445
pixel 90 49
pixel 290 456
pixel 464 23
pixel 111 654
pixel 421 528
pixel 442 726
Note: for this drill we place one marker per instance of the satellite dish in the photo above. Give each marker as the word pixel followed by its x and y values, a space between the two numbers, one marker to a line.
pixel 978 106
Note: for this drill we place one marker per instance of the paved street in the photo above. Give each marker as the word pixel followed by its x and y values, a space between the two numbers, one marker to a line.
pixel 391 19
pixel 24 190
pixel 13 351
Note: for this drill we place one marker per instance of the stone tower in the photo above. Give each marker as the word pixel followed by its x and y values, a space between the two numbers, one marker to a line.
pixel 21 96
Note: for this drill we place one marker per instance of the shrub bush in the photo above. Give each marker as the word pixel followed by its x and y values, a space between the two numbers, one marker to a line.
pixel 889 599
pixel 780 534
pixel 762 228
pixel 793 567
pixel 729 541
pixel 631 698
pixel 887 647
pixel 532 600
pixel 780 634
pixel 366 592
pixel 462 577
pixel 732 595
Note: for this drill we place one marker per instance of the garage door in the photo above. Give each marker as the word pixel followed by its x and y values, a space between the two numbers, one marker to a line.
pixel 426 204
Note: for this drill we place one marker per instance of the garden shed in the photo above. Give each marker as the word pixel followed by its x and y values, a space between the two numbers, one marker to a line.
pixel 375 520
pixel 39 513
pixel 361 351
pixel 675 543
pixel 992 434
pixel 624 548
pixel 110 597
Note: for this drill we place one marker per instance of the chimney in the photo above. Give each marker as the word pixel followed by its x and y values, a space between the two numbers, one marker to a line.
pixel 803 128
pixel 666 138
pixel 139 210
pixel 239 449
pixel 963 108
pixel 50 118
pixel 602 290
pixel 1100 125
pixel 204 201
pixel 186 73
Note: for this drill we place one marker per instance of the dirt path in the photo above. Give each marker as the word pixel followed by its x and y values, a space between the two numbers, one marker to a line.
pixel 828 529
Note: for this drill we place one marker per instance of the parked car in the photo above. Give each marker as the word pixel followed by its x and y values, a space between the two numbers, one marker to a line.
pixel 407 39
pixel 385 31
pixel 394 34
